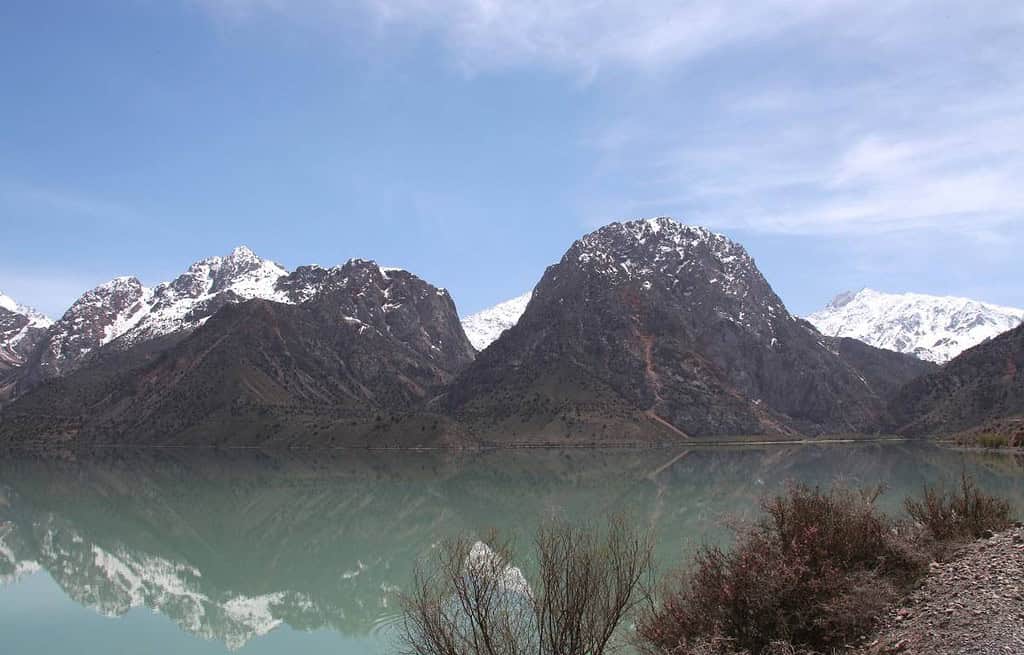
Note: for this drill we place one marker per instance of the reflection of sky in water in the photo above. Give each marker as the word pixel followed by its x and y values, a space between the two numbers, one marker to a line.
pixel 303 552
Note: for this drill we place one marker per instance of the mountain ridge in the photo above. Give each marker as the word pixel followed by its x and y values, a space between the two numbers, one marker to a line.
pixel 984 383
pixel 934 328
pixel 368 344
pixel 645 331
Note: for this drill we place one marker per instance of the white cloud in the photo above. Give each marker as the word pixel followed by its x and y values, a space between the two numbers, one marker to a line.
pixel 812 116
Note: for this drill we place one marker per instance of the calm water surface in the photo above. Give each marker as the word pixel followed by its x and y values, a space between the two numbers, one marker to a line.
pixel 168 552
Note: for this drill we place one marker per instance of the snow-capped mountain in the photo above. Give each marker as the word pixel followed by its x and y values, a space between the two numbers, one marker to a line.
pixel 207 285
pixel 485 326
pixel 21 328
pixel 126 311
pixel 658 325
pixel 934 328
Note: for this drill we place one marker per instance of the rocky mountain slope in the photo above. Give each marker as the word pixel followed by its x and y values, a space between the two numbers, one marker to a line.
pixel 670 326
pixel 934 328
pixel 644 331
pixel 125 312
pixel 367 344
pixel 123 323
pixel 21 328
pixel 485 326
pixel 981 384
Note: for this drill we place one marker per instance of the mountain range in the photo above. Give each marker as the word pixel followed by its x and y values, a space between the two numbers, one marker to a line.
pixel 644 331
pixel 934 328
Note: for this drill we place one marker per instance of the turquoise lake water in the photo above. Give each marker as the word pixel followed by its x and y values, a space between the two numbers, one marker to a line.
pixel 213 552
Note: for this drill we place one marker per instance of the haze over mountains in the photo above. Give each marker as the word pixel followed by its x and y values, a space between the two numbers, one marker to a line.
pixel 647 330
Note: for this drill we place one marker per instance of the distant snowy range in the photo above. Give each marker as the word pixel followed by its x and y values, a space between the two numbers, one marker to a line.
pixel 484 327
pixel 933 328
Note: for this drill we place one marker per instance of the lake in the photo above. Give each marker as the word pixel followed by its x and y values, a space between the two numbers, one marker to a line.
pixel 166 551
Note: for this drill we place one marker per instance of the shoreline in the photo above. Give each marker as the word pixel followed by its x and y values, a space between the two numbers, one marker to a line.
pixel 487 447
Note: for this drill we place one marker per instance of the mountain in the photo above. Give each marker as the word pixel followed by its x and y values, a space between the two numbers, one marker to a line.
pixel 364 347
pixel 123 323
pixel 645 331
pixel 485 326
pixel 934 328
pixel 653 327
pixel 128 313
pixel 982 384
pixel 21 329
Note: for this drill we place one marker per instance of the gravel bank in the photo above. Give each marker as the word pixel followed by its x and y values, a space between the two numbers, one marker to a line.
pixel 971 605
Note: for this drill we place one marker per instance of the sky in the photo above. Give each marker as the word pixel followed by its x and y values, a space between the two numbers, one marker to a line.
pixel 845 144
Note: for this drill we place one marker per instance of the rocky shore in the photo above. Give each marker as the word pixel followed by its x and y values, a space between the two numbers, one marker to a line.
pixel 972 604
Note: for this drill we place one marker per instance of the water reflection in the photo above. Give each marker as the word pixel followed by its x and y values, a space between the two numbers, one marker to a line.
pixel 231 545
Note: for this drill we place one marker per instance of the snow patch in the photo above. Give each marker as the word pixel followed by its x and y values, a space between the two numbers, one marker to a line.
pixel 484 327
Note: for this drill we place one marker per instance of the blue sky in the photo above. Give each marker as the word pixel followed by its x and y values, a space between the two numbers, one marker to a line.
pixel 470 141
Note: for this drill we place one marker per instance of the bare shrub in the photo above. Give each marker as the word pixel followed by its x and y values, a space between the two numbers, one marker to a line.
pixel 816 571
pixel 966 512
pixel 470 600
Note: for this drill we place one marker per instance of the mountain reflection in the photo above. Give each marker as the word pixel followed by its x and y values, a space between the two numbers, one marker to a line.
pixel 230 545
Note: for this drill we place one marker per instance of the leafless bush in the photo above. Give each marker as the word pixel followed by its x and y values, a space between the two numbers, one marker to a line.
pixel 471 600
pixel 966 512
pixel 816 571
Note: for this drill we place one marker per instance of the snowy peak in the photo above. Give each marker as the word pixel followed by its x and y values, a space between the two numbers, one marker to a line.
pixel 186 302
pixel 241 272
pixel 125 311
pixel 655 251
pixel 484 327
pixel 98 317
pixel 663 248
pixel 934 328
pixel 21 328
pixel 844 299
pixel 37 318
pixel 663 256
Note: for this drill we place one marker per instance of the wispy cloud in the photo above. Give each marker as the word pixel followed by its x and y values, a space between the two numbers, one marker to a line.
pixel 581 36
pixel 894 137
pixel 815 117
pixel 17 196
